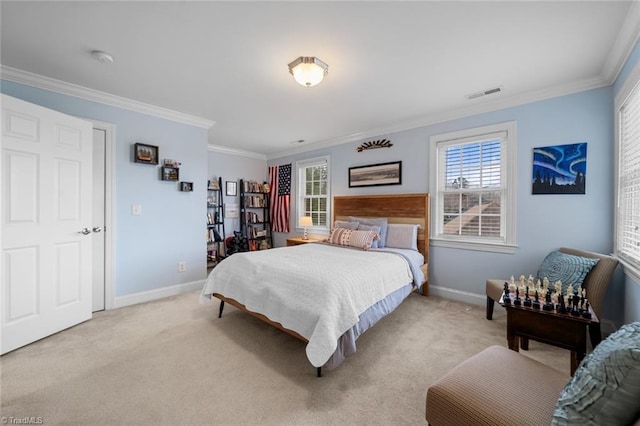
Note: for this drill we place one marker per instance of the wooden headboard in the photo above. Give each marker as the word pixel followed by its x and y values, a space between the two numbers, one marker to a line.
pixel 397 208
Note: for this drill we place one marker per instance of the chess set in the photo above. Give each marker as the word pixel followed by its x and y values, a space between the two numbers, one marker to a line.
pixel 573 303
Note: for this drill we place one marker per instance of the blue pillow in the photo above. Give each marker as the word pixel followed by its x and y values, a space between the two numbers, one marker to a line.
pixel 605 389
pixel 567 268
pixel 377 221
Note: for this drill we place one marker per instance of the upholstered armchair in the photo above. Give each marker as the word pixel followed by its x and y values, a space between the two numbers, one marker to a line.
pixel 595 283
pixel 499 386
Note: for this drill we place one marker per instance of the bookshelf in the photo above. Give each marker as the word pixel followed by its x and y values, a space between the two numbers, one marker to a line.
pixel 254 214
pixel 215 223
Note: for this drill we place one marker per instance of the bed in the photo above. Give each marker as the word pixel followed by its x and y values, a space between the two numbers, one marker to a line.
pixel 325 294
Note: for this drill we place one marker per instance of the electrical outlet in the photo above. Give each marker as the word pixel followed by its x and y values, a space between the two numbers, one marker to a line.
pixel 182 266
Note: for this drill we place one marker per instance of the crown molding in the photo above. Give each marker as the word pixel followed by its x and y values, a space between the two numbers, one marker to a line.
pixel 458 113
pixel 236 152
pixel 24 77
pixel 624 44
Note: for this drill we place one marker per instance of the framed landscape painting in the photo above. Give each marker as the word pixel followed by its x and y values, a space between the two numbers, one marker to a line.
pixel 376 174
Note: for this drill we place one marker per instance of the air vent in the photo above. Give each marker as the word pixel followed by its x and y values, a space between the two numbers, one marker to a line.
pixel 484 93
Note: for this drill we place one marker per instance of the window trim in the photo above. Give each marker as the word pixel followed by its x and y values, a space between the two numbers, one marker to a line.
pixel 509 205
pixel 300 166
pixel 630 266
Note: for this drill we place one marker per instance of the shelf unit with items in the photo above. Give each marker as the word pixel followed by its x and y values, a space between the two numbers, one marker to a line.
pixel 254 214
pixel 215 223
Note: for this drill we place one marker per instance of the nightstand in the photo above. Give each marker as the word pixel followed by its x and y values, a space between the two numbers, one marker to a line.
pixel 298 240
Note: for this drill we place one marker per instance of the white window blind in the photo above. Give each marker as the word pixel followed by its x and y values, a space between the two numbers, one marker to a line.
pixel 472 188
pixel 475 188
pixel 628 212
pixel 313 192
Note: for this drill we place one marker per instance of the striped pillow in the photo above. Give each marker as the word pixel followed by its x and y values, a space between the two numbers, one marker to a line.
pixel 352 238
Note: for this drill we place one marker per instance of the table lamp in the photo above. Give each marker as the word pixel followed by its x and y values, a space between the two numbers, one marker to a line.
pixel 304 222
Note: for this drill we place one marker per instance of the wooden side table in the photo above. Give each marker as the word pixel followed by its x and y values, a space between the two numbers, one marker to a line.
pixel 295 241
pixel 561 330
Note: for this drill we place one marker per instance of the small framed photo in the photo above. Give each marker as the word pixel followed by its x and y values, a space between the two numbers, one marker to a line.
pixel 186 186
pixel 232 188
pixel 146 154
pixel 170 173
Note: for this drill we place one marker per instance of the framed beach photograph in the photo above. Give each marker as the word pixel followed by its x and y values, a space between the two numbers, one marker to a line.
pixel 376 174
pixel 146 154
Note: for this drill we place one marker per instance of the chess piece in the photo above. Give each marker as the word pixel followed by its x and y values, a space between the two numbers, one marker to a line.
pixel 548 306
pixel 575 312
pixel 506 299
pixel 517 301
pixel 558 286
pixel 563 308
pixel 536 301
pixel 527 300
pixel 586 313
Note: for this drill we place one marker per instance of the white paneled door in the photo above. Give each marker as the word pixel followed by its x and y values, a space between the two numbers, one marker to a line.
pixel 46 231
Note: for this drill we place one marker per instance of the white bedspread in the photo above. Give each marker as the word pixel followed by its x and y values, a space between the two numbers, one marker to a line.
pixel 316 290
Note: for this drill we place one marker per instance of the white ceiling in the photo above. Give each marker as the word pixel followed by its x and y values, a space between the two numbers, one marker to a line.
pixel 392 65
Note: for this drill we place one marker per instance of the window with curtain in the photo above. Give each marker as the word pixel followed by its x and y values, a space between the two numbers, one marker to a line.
pixel 627 245
pixel 473 181
pixel 314 192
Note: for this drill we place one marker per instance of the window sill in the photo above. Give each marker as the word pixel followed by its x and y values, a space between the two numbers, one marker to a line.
pixel 630 270
pixel 467 245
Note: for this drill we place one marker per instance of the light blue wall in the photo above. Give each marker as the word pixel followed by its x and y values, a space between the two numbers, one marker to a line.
pixel 632 287
pixel 544 222
pixel 233 168
pixel 171 227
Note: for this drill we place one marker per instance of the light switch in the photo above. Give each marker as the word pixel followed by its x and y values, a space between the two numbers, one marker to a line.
pixel 136 209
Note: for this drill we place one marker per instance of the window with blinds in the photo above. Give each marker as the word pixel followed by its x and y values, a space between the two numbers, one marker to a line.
pixel 475 200
pixel 313 192
pixel 628 182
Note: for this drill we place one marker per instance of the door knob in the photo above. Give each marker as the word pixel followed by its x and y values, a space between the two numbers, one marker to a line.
pixel 97 229
pixel 85 231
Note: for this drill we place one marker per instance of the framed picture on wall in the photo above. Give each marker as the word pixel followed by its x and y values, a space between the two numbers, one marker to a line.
pixel 146 154
pixel 232 188
pixel 376 174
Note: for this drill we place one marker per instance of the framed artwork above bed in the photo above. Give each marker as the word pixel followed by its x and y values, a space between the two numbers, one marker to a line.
pixel 376 174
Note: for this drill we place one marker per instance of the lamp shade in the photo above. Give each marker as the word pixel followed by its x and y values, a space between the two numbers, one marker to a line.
pixel 306 221
pixel 308 70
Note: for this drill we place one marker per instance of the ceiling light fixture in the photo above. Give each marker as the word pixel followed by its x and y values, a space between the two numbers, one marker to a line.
pixel 308 70
pixel 101 56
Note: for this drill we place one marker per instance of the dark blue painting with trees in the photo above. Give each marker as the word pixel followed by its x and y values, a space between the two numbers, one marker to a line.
pixel 560 169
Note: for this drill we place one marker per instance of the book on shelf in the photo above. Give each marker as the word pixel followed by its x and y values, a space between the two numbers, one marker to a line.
pixel 253 186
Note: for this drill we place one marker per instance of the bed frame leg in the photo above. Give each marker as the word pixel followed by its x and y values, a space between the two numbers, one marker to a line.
pixel 319 371
pixel 221 309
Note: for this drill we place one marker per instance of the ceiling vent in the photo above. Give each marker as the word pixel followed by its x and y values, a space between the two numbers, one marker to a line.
pixel 484 93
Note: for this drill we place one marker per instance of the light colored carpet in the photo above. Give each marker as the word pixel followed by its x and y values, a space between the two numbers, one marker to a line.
pixel 172 361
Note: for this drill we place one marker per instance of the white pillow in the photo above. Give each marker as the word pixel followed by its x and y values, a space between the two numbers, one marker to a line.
pixel 401 235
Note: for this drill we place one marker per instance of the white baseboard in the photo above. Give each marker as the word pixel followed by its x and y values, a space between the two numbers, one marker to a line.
pixel 148 296
pixel 458 295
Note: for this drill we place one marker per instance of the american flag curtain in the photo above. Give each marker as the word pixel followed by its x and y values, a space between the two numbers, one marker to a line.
pixel 280 197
